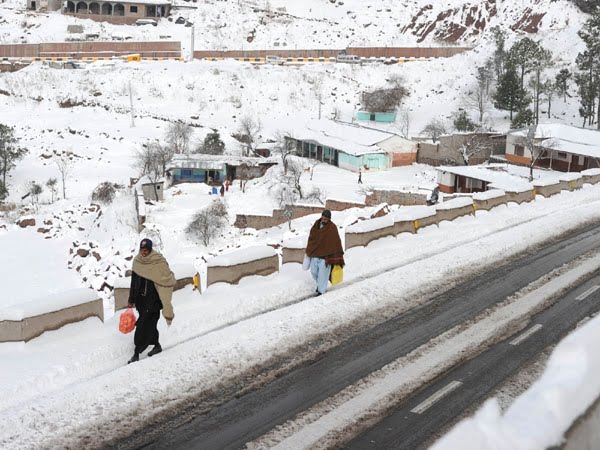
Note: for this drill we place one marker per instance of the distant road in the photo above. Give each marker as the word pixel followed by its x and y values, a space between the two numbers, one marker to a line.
pixel 233 422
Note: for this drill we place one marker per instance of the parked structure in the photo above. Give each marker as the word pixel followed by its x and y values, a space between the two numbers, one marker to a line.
pixel 120 12
pixel 353 147
pixel 566 148
pixel 215 169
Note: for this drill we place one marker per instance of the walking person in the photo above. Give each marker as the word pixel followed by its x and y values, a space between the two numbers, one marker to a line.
pixel 359 177
pixel 227 184
pixel 324 248
pixel 151 290
pixel 222 191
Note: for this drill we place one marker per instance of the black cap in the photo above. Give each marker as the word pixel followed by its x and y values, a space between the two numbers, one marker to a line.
pixel 146 243
pixel 326 213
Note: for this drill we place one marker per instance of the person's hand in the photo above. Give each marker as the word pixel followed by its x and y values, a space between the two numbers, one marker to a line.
pixel 169 321
pixel 130 305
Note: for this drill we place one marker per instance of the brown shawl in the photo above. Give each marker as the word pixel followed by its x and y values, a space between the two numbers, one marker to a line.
pixel 155 268
pixel 325 243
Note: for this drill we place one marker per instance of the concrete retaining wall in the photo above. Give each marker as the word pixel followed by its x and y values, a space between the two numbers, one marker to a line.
pixel 341 205
pixel 363 239
pixel 519 197
pixel 292 255
pixel 451 214
pixel 548 190
pixel 490 203
pixel 31 327
pixel 585 432
pixel 233 274
pixel 592 179
pixel 405 226
pixel 376 197
pixel 91 49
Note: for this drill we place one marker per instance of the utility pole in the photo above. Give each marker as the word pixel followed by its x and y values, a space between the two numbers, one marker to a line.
pixel 131 105
pixel 192 44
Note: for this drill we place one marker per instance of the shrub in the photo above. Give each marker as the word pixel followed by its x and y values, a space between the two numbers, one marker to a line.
pixel 207 223
pixel 105 192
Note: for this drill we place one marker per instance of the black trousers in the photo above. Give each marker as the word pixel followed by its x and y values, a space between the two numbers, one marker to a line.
pixel 145 330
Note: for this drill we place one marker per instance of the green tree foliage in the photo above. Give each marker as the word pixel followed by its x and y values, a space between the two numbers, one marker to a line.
pixel 510 96
pixel 587 6
pixel 10 153
pixel 462 122
pixel 524 118
pixel 213 145
pixel 588 78
pixel 562 80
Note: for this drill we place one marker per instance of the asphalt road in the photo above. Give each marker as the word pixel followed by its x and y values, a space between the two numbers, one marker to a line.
pixel 421 416
pixel 239 420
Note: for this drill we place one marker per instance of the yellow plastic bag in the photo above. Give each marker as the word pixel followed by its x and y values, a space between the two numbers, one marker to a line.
pixel 337 275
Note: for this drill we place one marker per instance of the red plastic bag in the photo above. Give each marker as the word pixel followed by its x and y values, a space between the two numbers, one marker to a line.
pixel 127 321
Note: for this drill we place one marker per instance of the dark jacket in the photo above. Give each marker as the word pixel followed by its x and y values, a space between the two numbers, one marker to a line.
pixel 143 294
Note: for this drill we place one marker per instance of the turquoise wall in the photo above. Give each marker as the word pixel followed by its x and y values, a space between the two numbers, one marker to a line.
pixel 385 117
pixel 372 161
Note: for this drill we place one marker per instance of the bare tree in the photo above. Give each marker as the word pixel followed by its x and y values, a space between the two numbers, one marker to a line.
pixel 249 134
pixel 64 165
pixel 178 137
pixel 403 123
pixel 51 184
pixel 244 174
pixel 434 129
pixel 35 189
pixel 149 162
pixel 286 147
pixel 478 97
pixel 207 223
pixel 474 144
pixel 164 154
pixel 537 145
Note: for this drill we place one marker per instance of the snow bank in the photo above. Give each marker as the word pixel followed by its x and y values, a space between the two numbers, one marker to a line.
pixel 590 172
pixel 407 213
pixel 455 203
pixel 539 418
pixel 366 226
pixel 47 304
pixel 545 182
pixel 242 256
pixel 569 176
pixel 488 195
pixel 296 243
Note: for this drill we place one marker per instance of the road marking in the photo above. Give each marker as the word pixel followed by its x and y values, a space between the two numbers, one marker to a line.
pixel 587 293
pixel 525 335
pixel 425 405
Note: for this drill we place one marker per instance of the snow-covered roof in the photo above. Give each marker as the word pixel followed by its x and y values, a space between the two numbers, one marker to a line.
pixel 347 137
pixel 566 138
pixel 146 180
pixel 502 176
pixel 215 162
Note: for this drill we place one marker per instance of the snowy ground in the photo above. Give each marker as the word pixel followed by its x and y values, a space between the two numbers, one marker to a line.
pixel 67 380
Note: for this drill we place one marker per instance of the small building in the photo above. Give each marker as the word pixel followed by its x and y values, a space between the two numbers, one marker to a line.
pixel 469 179
pixel 215 169
pixel 382 117
pixel 45 5
pixel 479 146
pixel 565 148
pixel 265 149
pixel 352 146
pixel 152 191
pixel 118 12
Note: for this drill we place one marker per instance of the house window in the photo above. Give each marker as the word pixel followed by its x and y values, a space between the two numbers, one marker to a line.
pixel 519 150
pixel 186 172
pixel 133 9
pixel 561 155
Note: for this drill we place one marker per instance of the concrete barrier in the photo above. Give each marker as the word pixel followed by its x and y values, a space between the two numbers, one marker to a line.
pixel 454 208
pixel 395 197
pixel 411 218
pixel 361 233
pixel 232 267
pixel 585 431
pixel 489 199
pixel 547 188
pixel 293 250
pixel 573 180
pixel 340 205
pixel 26 321
pixel 591 176
pixel 520 195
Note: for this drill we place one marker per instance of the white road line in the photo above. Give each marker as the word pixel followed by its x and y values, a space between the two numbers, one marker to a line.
pixel 425 405
pixel 587 293
pixel 525 335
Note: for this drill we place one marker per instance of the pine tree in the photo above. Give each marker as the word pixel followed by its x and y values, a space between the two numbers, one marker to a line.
pixel 213 145
pixel 10 153
pixel 588 62
pixel 510 96
pixel 562 83
pixel 524 118
pixel 462 122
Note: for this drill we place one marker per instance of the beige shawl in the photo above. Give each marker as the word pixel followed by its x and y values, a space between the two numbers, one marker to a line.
pixel 155 268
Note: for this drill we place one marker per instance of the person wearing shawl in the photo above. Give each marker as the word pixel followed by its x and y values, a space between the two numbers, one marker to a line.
pixel 324 248
pixel 151 290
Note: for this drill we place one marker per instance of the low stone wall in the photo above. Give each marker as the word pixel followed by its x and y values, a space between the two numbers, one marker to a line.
pixel 591 176
pixel 489 203
pixel 519 197
pixel 233 274
pixel 454 208
pixel 341 205
pixel 377 196
pixel 292 255
pixel 121 292
pixel 31 327
pixel 549 189
pixel 362 239
pixel 405 226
